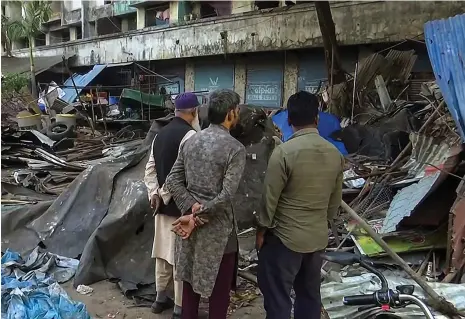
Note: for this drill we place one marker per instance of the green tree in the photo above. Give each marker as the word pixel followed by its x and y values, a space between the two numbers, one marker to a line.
pixel 34 14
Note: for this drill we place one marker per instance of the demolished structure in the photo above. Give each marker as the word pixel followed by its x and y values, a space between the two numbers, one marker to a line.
pixel 78 191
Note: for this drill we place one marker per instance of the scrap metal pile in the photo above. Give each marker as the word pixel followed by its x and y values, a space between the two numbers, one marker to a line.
pixel 32 160
pixel 404 175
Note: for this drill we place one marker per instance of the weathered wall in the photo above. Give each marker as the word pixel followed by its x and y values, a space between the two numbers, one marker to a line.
pixel 283 28
pixel 189 76
pixel 240 79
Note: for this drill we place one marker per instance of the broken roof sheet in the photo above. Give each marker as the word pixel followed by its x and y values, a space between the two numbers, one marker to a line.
pixel 407 199
pixel 21 65
pixel 426 151
pixel 81 80
pixel 445 40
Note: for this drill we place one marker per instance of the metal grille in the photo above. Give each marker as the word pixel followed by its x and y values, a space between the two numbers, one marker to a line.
pixel 378 199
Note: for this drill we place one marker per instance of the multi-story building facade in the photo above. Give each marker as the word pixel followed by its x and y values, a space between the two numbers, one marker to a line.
pixel 264 50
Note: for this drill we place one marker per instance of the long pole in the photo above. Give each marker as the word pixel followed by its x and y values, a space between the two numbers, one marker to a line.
pixel 437 302
pixel 91 122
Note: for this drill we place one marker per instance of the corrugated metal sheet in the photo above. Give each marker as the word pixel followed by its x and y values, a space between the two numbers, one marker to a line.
pixel 445 40
pixel 425 151
pixel 212 76
pixel 407 199
pixel 367 283
pixel 402 63
pixel 264 85
pixel 458 228
pixel 81 80
pixel 396 65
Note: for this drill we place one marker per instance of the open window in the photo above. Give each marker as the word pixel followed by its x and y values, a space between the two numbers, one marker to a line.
pixel 210 9
pixel 266 4
pixel 158 14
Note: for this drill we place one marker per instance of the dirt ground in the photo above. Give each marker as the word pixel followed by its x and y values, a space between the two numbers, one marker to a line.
pixel 107 301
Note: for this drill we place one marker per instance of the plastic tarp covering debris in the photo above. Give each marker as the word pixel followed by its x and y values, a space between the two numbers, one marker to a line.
pixel 30 288
pixel 328 123
pixel 332 293
pixel 445 41
pixel 104 217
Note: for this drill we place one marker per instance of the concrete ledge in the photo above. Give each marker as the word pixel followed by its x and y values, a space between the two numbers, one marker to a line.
pixel 278 29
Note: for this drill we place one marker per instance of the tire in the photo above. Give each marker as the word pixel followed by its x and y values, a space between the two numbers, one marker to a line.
pixel 59 131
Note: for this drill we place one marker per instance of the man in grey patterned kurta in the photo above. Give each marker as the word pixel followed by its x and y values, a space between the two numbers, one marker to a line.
pixel 203 182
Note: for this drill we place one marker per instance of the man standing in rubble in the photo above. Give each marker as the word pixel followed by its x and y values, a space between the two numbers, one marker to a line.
pixel 165 149
pixel 203 183
pixel 302 191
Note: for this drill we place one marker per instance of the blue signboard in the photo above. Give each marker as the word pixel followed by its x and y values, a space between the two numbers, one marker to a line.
pixel 209 77
pixel 312 68
pixel 264 85
pixel 175 87
pixel 312 72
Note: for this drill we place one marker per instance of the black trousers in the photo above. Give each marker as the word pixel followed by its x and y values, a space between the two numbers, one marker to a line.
pixel 280 269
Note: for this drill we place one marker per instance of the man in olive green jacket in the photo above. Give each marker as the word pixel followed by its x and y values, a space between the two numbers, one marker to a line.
pixel 303 190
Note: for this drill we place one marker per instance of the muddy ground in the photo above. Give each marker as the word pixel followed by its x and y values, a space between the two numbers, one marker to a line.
pixel 107 301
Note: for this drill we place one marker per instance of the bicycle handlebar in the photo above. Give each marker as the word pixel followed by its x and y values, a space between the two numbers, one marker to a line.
pixel 378 299
pixel 359 300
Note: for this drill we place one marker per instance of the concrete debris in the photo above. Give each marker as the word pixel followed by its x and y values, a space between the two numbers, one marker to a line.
pixel 84 290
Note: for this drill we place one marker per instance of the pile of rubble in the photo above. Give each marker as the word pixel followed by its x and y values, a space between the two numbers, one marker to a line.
pixel 404 175
pixel 32 160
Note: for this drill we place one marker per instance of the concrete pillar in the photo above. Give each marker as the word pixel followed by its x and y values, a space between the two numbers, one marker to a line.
pixel 195 10
pixel 240 78
pixel 125 25
pixel 242 6
pixel 73 33
pixel 189 82
pixel 13 11
pixel 86 27
pixel 178 9
pixel 141 18
pixel 291 73
pixel 33 44
pixel 174 9
pixel 48 38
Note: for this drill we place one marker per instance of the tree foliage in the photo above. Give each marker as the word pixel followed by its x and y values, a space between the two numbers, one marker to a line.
pixel 34 14
pixel 13 83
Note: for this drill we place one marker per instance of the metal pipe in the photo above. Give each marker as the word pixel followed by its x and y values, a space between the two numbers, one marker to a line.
pixel 419 303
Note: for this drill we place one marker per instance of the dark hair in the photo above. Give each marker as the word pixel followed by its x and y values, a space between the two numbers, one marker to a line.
pixel 302 108
pixel 220 102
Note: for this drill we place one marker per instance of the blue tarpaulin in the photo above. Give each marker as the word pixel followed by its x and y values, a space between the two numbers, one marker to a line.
pixel 445 40
pixel 31 290
pixel 327 124
pixel 81 80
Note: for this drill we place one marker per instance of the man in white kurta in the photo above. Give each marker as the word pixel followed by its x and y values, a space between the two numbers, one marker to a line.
pixel 182 127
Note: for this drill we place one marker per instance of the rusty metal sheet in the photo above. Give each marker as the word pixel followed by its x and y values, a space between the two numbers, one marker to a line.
pixel 407 200
pixel 401 64
pixel 458 228
pixel 395 65
pixel 427 151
